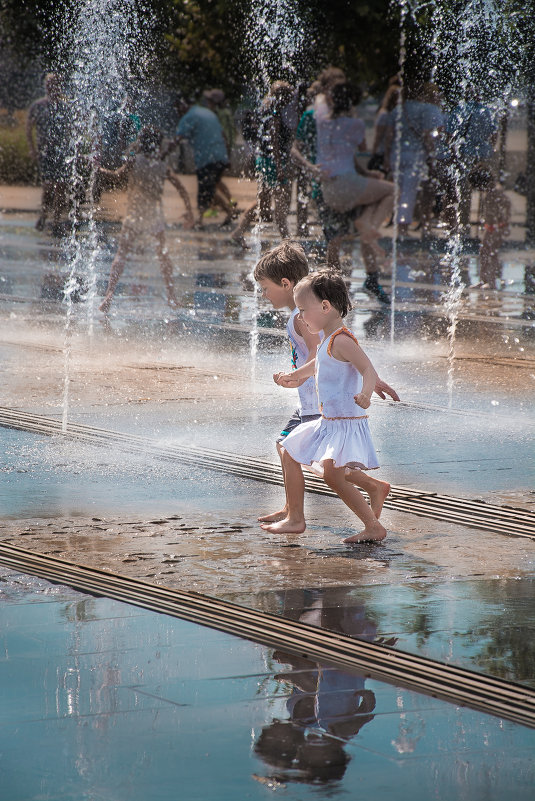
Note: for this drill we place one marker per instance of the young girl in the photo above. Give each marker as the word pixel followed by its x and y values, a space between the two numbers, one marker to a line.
pixel 340 439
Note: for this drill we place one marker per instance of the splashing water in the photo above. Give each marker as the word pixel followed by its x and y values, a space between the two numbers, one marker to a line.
pixel 397 164
pixel 275 41
pixel 102 49
pixel 473 53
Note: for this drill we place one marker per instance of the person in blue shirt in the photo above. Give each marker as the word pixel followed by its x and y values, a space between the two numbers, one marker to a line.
pixel 200 126
pixel 472 131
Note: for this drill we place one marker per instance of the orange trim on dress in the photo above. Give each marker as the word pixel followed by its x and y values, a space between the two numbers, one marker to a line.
pixel 342 330
pixel 359 417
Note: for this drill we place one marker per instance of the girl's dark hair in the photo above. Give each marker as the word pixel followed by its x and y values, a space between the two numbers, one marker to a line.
pixel 343 96
pixel 328 285
pixel 150 140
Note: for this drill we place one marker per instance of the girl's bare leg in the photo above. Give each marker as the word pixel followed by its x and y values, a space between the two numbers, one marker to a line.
pixel 294 522
pixel 166 268
pixel 116 271
pixel 276 516
pixel 335 478
pixel 281 196
pixel 376 489
pixel 378 201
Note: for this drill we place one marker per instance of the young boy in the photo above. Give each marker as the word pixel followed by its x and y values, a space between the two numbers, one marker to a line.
pixel 277 272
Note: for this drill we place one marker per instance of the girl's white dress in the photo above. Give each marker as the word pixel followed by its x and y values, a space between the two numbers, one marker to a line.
pixel 341 433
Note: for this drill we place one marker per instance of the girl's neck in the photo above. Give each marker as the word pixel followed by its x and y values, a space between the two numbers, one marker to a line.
pixel 333 325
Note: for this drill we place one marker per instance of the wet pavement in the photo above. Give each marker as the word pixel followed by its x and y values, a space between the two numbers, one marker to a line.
pixel 113 701
pixel 201 375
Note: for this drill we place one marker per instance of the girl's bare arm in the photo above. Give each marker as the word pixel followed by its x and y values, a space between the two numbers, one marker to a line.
pixel 347 350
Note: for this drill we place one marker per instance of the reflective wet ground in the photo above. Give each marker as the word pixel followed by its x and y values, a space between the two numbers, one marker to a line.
pixel 202 376
pixel 112 701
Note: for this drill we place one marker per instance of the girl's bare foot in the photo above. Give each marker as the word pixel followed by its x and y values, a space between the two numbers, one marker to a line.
pixel 238 239
pixel 105 305
pixel 286 526
pixel 273 518
pixel 378 495
pixel 373 533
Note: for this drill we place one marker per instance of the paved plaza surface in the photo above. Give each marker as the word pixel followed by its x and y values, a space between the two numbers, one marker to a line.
pixel 201 376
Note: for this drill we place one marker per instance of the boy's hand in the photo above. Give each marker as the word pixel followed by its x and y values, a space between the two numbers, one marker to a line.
pixel 287 380
pixel 383 389
pixel 362 400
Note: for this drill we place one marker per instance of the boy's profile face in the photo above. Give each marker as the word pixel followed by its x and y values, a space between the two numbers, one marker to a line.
pixel 279 295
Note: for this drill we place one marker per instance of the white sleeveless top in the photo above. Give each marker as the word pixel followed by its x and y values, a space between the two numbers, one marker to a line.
pixel 308 398
pixel 337 382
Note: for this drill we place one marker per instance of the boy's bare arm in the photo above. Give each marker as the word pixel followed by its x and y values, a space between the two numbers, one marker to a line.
pixel 296 377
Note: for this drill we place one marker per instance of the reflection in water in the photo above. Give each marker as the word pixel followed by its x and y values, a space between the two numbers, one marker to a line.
pixel 102 700
pixel 326 707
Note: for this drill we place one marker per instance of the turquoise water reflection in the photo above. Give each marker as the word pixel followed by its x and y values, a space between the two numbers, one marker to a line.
pixel 102 700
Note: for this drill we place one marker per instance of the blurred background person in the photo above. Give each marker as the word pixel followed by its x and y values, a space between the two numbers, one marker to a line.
pixel 200 126
pixel 273 163
pixel 410 137
pixel 48 131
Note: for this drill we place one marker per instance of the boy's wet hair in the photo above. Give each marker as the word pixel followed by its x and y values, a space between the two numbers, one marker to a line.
pixel 329 285
pixel 286 260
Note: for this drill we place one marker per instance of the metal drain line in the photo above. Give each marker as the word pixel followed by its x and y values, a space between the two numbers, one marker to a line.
pixel 448 508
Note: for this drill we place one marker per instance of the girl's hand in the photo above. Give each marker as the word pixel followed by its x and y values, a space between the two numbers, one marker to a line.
pixel 362 400
pixel 287 380
pixel 188 220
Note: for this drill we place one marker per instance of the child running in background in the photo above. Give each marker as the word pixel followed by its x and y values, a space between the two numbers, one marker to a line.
pixel 340 439
pixel 147 170
pixel 277 273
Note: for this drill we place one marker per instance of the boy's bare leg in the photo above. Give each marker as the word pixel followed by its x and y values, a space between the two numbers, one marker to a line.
pixel 47 201
pixel 335 478
pixel 376 489
pixel 166 268
pixel 333 252
pixel 243 223
pixel 294 482
pixel 276 516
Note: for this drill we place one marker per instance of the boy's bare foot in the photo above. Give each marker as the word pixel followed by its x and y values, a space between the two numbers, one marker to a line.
pixel 378 495
pixel 373 533
pixel 273 518
pixel 286 526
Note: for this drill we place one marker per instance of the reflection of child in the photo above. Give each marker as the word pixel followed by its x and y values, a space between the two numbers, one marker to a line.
pixel 495 213
pixel 326 707
pixel 277 273
pixel 340 438
pixel 147 171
